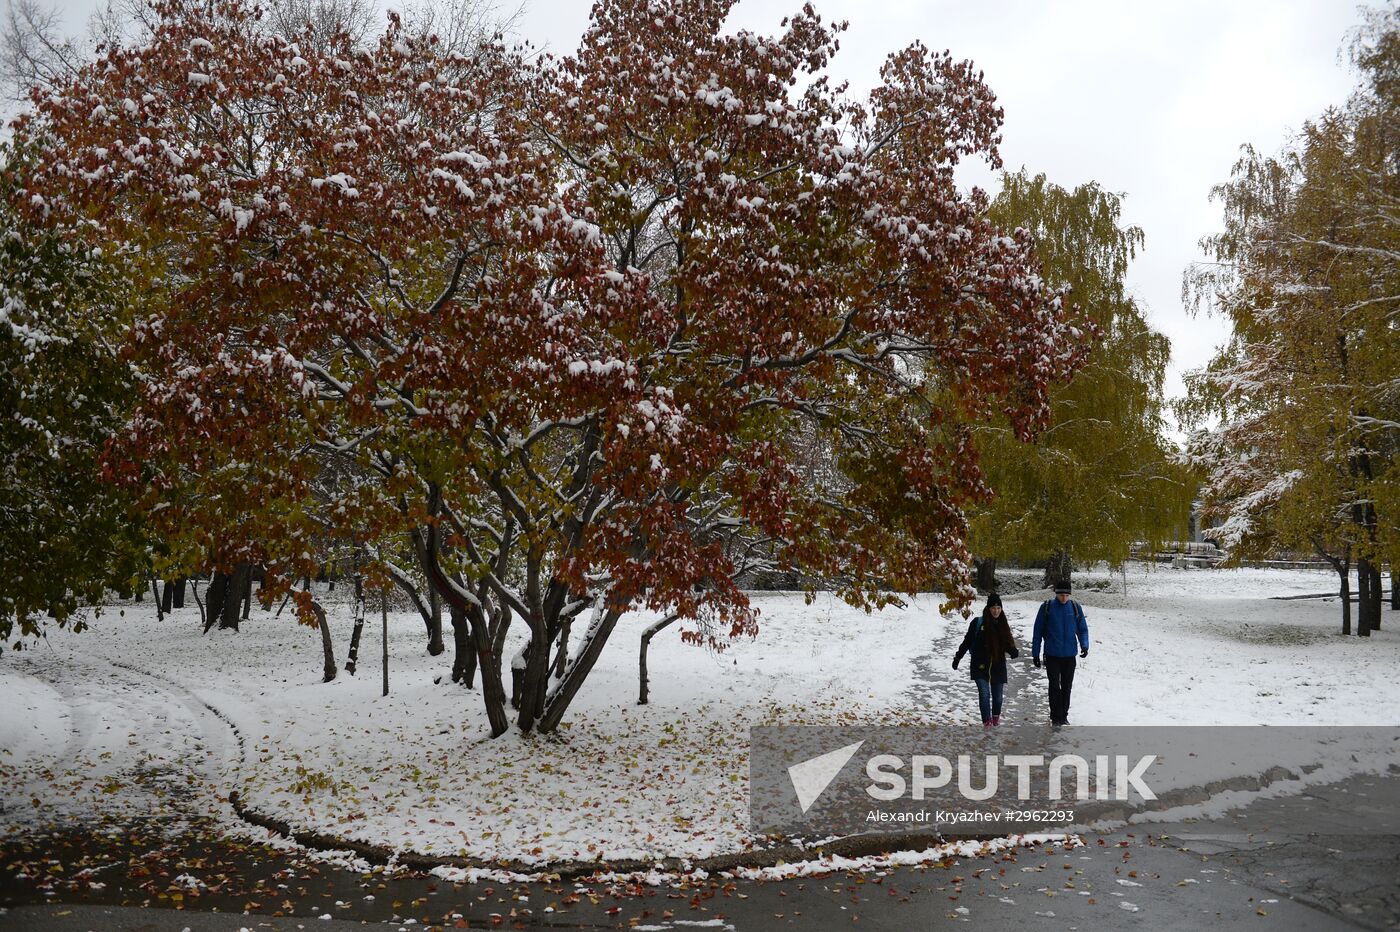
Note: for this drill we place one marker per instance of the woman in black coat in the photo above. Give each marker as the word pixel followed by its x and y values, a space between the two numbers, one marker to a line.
pixel 990 642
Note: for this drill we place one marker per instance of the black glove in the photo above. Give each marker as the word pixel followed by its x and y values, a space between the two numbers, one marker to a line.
pixel 1084 652
pixel 955 662
pixel 1036 662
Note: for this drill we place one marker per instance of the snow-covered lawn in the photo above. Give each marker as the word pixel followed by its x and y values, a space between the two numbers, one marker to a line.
pixel 416 769
pixel 1212 647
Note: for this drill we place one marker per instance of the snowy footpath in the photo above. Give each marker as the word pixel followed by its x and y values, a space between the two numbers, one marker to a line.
pixel 136 717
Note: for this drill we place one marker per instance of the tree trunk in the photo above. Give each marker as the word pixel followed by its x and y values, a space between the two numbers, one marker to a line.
pixel 1394 591
pixel 1343 567
pixel 327 652
pixel 179 601
pixel 359 628
pixel 488 654
pixel 1368 602
pixel 435 645
pixel 218 592
pixel 167 597
pixel 428 614
pixel 161 608
pixel 463 656
pixel 492 695
pixel 534 677
pixel 517 675
pixel 986 568
pixel 561 654
pixel 1377 596
pixel 234 590
pixel 1363 597
pixel 1059 568
pixel 1368 607
pixel 533 674
pixel 1345 572
pixel 651 632
pixel 247 592
pixel 594 639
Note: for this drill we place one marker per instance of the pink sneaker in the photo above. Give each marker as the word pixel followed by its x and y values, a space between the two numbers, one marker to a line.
pixel 996 719
pixel 988 724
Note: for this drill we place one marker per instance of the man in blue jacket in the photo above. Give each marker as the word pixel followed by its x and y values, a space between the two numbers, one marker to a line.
pixel 1060 624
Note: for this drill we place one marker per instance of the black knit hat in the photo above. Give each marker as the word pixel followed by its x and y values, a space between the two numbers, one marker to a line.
pixel 993 599
pixel 1063 586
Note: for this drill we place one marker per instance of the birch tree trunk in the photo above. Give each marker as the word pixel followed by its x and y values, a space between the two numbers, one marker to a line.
pixel 354 654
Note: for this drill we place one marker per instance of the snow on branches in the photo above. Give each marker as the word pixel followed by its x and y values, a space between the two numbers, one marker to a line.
pixel 571 323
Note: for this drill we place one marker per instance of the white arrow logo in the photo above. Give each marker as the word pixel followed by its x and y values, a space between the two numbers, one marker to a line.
pixel 811 777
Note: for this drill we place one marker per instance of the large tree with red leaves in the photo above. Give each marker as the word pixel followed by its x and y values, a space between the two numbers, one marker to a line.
pixel 560 328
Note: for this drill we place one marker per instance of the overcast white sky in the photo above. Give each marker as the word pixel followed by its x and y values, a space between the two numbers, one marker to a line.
pixel 1152 100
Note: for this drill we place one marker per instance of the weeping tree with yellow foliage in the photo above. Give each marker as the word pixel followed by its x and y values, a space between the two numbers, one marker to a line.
pixel 1102 477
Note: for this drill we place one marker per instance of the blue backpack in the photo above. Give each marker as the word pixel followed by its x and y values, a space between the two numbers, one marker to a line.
pixel 1045 610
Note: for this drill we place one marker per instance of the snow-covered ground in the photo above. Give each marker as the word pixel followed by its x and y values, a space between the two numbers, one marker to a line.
pixel 1213 647
pixel 135 703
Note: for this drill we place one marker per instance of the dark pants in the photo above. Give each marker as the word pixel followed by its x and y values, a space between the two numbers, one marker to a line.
pixel 1060 671
pixel 989 698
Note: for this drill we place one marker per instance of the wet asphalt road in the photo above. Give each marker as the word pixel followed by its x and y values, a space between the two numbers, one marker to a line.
pixel 1337 869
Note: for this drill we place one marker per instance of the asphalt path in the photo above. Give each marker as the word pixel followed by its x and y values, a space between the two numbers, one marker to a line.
pixel 1338 867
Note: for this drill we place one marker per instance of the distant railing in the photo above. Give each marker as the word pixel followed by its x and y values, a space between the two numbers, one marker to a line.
pixel 1181 552
pixel 1205 553
pixel 1288 564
